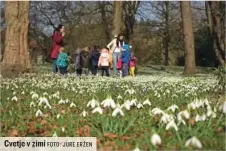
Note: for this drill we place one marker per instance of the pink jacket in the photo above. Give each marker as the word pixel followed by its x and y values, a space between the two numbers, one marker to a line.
pixel 132 62
pixel 119 64
pixel 103 59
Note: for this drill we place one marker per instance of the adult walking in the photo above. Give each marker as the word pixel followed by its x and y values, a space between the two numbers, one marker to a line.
pixel 116 47
pixel 57 43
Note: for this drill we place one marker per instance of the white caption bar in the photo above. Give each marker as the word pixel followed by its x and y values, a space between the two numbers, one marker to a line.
pixel 48 144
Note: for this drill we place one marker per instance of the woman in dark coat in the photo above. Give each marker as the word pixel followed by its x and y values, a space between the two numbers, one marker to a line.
pixel 57 43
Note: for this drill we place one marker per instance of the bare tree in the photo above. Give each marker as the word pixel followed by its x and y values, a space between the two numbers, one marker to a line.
pixel 216 19
pixel 186 16
pixel 117 18
pixel 16 56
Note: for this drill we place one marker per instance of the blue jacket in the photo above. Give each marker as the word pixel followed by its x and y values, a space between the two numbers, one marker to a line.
pixel 62 60
pixel 125 53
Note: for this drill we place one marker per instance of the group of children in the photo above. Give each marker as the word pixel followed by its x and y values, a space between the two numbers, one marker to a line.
pixel 86 61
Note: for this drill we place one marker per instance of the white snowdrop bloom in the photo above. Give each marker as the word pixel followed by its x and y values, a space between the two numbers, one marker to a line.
pixel 84 113
pixel 166 118
pixel 15 99
pixel 139 106
pixel 172 108
pixel 14 93
pixel 22 92
pixel 126 105
pixel 206 101
pixel 98 109
pixel 119 97
pixel 8 98
pixel 61 101
pixel 55 134
pixel 171 124
pixel 133 102
pixel 199 118
pixel 63 129
pixel 118 110
pixel 224 107
pixel 157 111
pixel 182 114
pixel 147 102
pixel 72 105
pixel 32 104
pixel 44 100
pixel 67 101
pixel 155 140
pixel 203 117
pixel 34 96
pixel 58 116
pixel 92 103
pixel 193 142
pixel 39 113
pixel 192 106
pixel 45 94
pixel 108 103
pixel 136 149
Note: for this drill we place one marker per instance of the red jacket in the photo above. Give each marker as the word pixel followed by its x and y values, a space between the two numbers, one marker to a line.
pixel 57 43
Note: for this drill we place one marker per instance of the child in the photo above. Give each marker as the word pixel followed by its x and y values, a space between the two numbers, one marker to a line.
pixel 104 61
pixel 119 65
pixel 77 57
pixel 132 65
pixel 85 57
pixel 62 61
pixel 125 59
pixel 94 58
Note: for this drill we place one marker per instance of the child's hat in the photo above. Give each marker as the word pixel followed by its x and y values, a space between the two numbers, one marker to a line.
pixel 115 36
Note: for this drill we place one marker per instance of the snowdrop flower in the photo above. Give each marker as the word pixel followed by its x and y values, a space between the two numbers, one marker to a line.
pixel 44 100
pixel 156 140
pixel 67 101
pixel 193 142
pixel 63 129
pixel 136 149
pixel 45 94
pixel 55 134
pixel 14 93
pixel 184 113
pixel 166 118
pixel 93 103
pixel 58 116
pixel 32 104
pixel 126 105
pixel 147 102
pixel 84 113
pixel 61 102
pixel 157 111
pixel 34 96
pixel 172 108
pixel 192 106
pixel 15 99
pixel 39 113
pixel 139 106
pixel 108 103
pixel 22 92
pixel 224 107
pixel 118 110
pixel 200 118
pixel 171 124
pixel 133 102
pixel 72 105
pixel 98 109
pixel 119 97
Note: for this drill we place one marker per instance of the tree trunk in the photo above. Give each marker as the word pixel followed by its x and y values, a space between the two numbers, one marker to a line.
pixel 16 56
pixel 186 16
pixel 166 33
pixel 217 29
pixel 102 6
pixel 117 18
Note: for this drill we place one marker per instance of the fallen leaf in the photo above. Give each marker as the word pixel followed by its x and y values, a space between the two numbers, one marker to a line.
pixel 191 121
pixel 13 133
pixel 84 131
pixel 110 135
